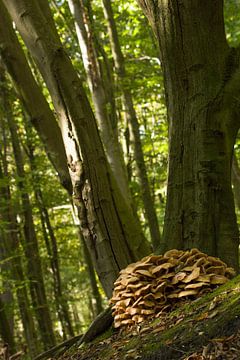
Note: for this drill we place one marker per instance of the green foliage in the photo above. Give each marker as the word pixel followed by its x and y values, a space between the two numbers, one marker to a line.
pixel 145 81
pixel 232 21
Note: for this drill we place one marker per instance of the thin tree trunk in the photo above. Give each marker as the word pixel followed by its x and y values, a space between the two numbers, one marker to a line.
pixel 61 303
pixel 32 98
pixel 11 245
pixel 51 246
pixel 108 225
pixel 6 296
pixel 77 321
pixel 96 296
pixel 132 120
pixel 236 181
pixel 5 330
pixel 109 136
pixel 201 77
pixel 30 244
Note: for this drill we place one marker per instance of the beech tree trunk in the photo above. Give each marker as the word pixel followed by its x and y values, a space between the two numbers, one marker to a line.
pixel 105 118
pixel 131 119
pixel 201 75
pixel 31 96
pixel 108 225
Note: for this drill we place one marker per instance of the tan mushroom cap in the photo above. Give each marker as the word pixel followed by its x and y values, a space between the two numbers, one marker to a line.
pixel 187 293
pixel 195 285
pixel 178 277
pixel 215 261
pixel 218 279
pixel 144 272
pixel 173 253
pixel 220 270
pixel 146 303
pixel 203 278
pixel 147 311
pixel 138 318
pixel 194 275
pixel 143 290
pixel 230 272
pixel 173 295
pixel 164 266
pixel 133 311
pixel 158 282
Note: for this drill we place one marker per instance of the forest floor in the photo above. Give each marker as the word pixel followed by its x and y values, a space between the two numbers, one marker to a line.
pixel 204 329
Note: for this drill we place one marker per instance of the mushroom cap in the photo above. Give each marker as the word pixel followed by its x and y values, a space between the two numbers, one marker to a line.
pixel 162 267
pixel 187 293
pixel 194 275
pixel 156 283
pixel 195 285
pixel 144 272
pixel 178 277
pixel 218 279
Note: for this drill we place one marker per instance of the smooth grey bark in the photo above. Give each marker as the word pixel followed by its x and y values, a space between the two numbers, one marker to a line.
pixel 201 75
pixel 131 119
pixel 110 230
pixel 102 105
pixel 30 243
pixel 42 118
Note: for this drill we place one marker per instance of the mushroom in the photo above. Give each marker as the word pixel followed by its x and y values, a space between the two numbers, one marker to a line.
pixel 157 283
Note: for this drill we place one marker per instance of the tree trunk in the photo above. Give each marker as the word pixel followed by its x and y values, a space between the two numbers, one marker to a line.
pixel 96 296
pixel 32 98
pixel 11 245
pixel 61 303
pixel 108 225
pixel 5 330
pixel 30 244
pixel 105 118
pixel 6 296
pixel 201 75
pixel 131 119
pixel 52 250
pixel 236 181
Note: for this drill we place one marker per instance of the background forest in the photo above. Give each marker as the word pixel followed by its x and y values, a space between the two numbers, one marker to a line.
pixel 49 289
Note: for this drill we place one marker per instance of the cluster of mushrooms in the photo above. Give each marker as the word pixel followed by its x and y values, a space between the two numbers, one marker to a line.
pixel 152 285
